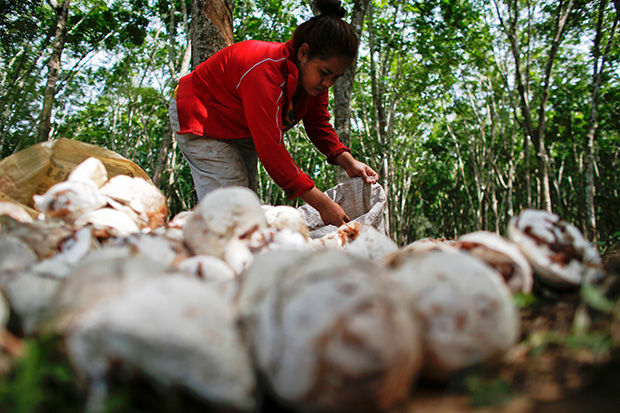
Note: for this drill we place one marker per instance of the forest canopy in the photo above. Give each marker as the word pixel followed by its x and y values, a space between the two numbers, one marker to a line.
pixel 469 110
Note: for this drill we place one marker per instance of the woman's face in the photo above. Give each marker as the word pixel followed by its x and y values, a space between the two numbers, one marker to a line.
pixel 316 75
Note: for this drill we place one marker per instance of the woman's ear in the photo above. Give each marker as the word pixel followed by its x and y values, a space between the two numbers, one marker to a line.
pixel 303 53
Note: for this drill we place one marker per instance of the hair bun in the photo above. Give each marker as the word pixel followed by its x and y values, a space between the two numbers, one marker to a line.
pixel 331 7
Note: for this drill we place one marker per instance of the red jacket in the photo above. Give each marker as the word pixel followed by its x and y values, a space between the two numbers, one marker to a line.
pixel 242 92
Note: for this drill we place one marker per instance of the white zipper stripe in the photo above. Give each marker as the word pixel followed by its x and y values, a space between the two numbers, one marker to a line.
pixel 277 104
pixel 278 116
pixel 262 61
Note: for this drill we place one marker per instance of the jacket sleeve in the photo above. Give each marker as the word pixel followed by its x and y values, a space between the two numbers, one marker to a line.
pixel 261 92
pixel 321 132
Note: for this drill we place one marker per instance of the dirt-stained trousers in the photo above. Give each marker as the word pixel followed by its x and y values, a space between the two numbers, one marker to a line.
pixel 216 163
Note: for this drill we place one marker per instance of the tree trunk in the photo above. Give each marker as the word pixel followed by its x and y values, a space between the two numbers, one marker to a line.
pixel 62 14
pixel 12 90
pixel 597 79
pixel 385 96
pixel 212 28
pixel 380 121
pixel 461 168
pixel 344 87
pixel 168 144
pixel 543 176
pixel 543 162
pixel 526 166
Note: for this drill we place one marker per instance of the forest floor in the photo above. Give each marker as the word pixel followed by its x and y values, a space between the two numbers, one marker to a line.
pixel 568 359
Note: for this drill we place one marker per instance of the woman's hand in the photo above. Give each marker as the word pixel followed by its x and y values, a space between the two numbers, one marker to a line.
pixel 356 168
pixel 331 212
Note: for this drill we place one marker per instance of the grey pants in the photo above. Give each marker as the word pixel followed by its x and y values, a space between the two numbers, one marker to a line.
pixel 216 163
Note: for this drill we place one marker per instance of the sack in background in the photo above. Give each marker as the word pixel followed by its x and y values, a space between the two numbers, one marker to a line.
pixel 363 203
pixel 35 169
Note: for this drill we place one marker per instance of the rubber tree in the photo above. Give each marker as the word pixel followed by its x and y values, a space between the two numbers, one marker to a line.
pixel 60 36
pixel 212 28
pixel 178 69
pixel 534 115
pixel 598 67
pixel 344 87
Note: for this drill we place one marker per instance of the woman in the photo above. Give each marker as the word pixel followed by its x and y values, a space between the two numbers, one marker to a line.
pixel 235 107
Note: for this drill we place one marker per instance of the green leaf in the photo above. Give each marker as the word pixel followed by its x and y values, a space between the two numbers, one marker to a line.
pixel 486 392
pixel 594 297
pixel 523 300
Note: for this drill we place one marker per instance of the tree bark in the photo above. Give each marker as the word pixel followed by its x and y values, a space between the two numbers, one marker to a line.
pixel 526 163
pixel 542 157
pixel 62 14
pixel 597 80
pixel 212 28
pixel 384 107
pixel 164 161
pixel 12 89
pixel 380 122
pixel 344 87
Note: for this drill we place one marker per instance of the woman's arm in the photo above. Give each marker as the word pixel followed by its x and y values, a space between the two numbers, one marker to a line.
pixel 330 211
pixel 323 136
pixel 356 168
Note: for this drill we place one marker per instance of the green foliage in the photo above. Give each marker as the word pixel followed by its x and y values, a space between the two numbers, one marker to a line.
pixel 488 392
pixel 523 300
pixel 450 143
pixel 41 380
pixel 610 244
pixel 128 26
pixel 268 20
pixel 597 343
pixel 594 297
pixel 21 22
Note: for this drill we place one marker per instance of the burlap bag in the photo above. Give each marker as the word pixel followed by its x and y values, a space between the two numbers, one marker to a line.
pixel 35 169
pixel 363 203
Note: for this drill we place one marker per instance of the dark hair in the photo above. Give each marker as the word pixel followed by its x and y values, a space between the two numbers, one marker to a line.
pixel 327 35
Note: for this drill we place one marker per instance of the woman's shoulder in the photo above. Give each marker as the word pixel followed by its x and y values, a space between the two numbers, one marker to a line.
pixel 258 50
pixel 255 58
